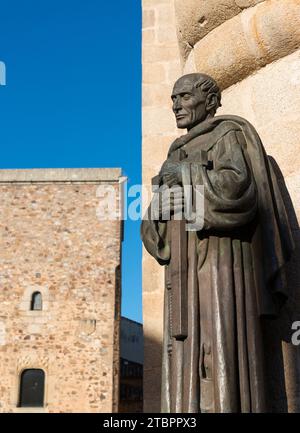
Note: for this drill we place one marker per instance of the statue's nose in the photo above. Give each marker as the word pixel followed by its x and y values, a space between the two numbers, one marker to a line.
pixel 177 104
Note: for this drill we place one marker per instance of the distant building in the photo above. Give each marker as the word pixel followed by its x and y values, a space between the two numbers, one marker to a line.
pixel 131 366
pixel 59 291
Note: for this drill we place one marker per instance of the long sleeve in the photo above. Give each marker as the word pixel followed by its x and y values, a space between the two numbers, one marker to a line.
pixel 230 198
pixel 154 237
pixel 230 195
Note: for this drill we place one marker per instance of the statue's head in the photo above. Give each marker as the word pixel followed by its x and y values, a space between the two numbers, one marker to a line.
pixel 195 97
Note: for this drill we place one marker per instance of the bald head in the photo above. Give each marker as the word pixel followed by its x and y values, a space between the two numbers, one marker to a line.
pixel 195 98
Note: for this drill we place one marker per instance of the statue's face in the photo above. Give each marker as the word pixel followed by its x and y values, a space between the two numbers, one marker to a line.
pixel 189 103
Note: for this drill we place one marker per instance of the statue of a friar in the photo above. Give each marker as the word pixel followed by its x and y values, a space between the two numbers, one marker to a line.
pixel 226 277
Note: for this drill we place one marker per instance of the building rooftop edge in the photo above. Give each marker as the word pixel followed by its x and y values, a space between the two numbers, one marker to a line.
pixel 61 175
pixel 131 320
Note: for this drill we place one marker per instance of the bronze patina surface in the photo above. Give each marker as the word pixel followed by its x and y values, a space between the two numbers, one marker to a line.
pixel 223 281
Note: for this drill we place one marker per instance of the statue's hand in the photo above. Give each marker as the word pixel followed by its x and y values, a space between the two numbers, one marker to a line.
pixel 171 203
pixel 170 173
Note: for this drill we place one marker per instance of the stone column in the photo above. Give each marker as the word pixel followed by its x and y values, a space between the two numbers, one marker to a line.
pixel 161 67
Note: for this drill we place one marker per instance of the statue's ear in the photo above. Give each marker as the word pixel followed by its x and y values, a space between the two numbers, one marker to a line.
pixel 211 102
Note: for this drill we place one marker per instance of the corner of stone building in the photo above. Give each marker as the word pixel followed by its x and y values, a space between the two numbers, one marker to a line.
pixel 116 356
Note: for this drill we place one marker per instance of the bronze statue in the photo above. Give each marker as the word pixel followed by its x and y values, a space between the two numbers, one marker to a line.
pixel 223 280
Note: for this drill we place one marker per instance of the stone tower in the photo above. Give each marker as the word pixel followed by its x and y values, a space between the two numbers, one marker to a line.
pixel 59 291
pixel 252 49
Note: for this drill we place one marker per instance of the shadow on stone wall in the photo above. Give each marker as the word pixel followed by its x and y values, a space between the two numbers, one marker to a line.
pixel 282 357
pixel 152 375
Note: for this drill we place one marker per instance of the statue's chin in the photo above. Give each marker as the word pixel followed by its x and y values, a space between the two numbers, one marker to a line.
pixel 181 124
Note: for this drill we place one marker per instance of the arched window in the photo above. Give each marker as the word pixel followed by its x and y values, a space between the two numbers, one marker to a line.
pixel 36 301
pixel 32 387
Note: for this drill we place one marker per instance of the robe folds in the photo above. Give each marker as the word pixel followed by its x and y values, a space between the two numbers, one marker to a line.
pixel 235 273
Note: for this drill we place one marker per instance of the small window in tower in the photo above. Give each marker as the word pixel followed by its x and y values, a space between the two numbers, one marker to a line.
pixel 36 301
pixel 32 388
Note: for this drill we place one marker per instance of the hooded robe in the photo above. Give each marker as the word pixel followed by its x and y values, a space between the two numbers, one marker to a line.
pixel 235 272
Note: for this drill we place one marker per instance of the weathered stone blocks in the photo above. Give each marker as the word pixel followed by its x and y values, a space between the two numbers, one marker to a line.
pixel 254 38
pixel 52 241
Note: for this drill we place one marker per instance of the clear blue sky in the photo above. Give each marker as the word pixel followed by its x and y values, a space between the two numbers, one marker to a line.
pixel 72 97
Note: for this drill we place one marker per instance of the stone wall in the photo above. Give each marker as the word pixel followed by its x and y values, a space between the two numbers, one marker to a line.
pixel 252 48
pixel 161 66
pixel 52 241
